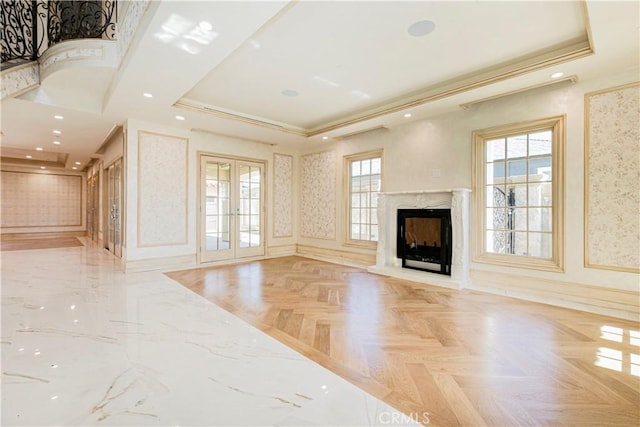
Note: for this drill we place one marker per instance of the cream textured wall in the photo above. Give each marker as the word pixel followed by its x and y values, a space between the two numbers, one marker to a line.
pixel 436 153
pixel 42 201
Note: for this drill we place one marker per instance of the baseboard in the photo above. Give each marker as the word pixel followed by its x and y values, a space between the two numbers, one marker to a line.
pixel 336 256
pixel 619 303
pixel 42 235
pixel 281 250
pixel 161 264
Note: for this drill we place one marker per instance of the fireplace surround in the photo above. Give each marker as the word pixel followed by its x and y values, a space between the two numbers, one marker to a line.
pixel 387 261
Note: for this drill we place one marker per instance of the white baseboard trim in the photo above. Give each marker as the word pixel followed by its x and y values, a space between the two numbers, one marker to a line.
pixel 336 256
pixel 619 303
pixel 281 250
pixel 162 264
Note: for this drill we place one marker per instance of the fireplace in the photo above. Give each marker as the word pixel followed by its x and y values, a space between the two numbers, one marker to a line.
pixel 389 260
pixel 424 239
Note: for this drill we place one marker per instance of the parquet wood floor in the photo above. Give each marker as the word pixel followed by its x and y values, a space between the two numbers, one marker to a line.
pixel 466 358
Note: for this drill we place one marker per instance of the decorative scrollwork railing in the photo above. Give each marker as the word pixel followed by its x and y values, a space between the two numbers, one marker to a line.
pixel 93 19
pixel 19 38
pixel 29 27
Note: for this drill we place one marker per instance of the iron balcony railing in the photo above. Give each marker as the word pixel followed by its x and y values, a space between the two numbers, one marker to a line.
pixel 30 27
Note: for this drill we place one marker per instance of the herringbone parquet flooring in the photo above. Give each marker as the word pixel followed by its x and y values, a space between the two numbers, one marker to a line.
pixel 465 358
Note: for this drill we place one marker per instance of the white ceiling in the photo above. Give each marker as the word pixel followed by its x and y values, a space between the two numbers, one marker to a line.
pixel 353 66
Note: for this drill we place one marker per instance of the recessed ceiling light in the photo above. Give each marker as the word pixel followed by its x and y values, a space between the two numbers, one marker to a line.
pixel 57 132
pixel 179 118
pixel 557 75
pixel 42 167
pixel 147 95
pixel 57 142
pixel 74 168
pixel 77 163
pixel 58 117
pixel 29 156
pixel 407 115
pixel 290 93
pixel 39 148
pixel 325 137
pixel 421 28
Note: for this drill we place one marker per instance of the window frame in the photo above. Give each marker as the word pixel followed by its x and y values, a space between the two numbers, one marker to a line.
pixel 348 161
pixel 556 125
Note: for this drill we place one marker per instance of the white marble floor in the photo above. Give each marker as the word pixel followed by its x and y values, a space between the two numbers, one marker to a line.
pixel 85 344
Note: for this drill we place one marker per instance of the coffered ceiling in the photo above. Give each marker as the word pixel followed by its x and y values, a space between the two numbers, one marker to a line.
pixel 292 73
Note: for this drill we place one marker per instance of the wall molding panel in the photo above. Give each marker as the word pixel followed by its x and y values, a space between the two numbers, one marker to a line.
pixel 33 199
pixel 162 190
pixel 318 196
pixel 612 177
pixel 282 195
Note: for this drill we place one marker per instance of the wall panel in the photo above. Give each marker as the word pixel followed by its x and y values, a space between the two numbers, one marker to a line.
pixel 318 200
pixel 282 195
pixel 612 178
pixel 31 199
pixel 162 190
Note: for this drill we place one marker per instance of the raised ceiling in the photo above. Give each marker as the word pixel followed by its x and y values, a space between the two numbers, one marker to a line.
pixel 345 59
pixel 293 72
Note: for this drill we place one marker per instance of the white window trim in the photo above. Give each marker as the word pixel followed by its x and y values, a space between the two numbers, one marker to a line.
pixel 347 196
pixel 557 126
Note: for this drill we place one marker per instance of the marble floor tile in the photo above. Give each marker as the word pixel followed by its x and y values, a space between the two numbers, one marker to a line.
pixel 85 344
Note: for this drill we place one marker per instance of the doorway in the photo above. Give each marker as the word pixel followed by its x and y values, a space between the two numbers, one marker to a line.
pixel 231 220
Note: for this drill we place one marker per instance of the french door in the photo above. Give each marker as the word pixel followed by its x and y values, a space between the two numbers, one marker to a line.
pixel 113 238
pixel 231 208
pixel 92 207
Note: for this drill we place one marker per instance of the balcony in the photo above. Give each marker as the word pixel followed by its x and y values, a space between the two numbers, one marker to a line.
pixel 31 27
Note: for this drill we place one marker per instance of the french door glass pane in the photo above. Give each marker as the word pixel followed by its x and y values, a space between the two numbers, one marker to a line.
pixel 249 209
pixel 217 218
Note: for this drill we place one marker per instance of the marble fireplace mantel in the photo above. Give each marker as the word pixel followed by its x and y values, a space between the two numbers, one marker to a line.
pixel 387 263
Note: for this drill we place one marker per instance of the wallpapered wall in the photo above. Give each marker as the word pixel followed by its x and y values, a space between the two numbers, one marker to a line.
pixel 318 204
pixel 612 176
pixel 162 190
pixel 41 200
pixel 282 195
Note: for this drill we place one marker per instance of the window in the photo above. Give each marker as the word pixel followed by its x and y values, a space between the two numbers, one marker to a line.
pixel 518 194
pixel 362 183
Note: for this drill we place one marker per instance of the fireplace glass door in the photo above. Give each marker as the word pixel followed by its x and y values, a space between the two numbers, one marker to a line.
pixel 424 239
